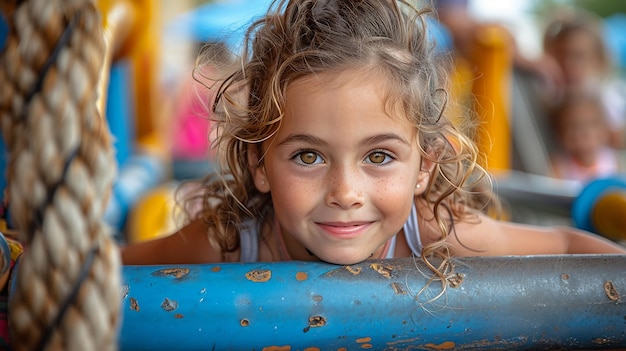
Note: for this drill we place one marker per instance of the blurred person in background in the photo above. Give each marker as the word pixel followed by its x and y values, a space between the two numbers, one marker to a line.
pixel 583 138
pixel 574 38
pixel 464 28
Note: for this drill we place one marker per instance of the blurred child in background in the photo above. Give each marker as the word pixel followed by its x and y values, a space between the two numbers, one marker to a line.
pixel 583 138
pixel 575 40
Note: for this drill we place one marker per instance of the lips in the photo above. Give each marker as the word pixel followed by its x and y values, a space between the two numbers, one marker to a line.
pixel 345 230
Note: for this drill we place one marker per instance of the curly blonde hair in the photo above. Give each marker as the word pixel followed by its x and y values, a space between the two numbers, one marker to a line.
pixel 300 38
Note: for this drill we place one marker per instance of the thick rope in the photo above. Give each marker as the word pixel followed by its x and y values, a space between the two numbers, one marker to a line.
pixel 67 289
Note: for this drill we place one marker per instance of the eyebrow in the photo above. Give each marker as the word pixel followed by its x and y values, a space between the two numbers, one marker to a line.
pixel 309 139
pixel 302 138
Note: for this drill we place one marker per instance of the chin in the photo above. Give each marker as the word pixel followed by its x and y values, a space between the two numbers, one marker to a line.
pixel 345 260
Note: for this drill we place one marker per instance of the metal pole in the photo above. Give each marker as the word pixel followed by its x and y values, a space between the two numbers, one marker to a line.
pixel 521 303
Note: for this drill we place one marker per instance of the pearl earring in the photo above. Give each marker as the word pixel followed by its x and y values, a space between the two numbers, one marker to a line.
pixel 418 186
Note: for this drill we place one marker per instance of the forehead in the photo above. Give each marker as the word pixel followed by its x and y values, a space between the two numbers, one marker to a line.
pixel 355 79
pixel 339 98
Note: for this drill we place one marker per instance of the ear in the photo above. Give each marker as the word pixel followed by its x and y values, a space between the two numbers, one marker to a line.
pixel 423 178
pixel 257 169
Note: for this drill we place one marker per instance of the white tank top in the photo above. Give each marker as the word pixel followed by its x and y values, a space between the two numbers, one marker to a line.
pixel 249 238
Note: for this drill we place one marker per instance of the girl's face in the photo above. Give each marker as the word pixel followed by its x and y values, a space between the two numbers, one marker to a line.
pixel 342 171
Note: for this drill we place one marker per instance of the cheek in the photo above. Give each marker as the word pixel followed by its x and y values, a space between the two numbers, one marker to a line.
pixel 394 198
pixel 293 195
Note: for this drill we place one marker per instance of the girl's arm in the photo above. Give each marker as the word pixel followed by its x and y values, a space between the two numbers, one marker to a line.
pixel 484 236
pixel 189 245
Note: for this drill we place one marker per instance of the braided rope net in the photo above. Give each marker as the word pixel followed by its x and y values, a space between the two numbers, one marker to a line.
pixel 66 293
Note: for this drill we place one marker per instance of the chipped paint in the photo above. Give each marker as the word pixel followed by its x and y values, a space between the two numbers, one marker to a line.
pixel 169 305
pixel 398 288
pixel 456 279
pixel 277 348
pixel 353 270
pixel 315 322
pixel 125 291
pixel 134 305
pixel 300 276
pixel 365 342
pixel 216 269
pixel 382 269
pixel 179 316
pixel 244 322
pixel 446 345
pixel 176 272
pixel 610 291
pixel 312 349
pixel 259 275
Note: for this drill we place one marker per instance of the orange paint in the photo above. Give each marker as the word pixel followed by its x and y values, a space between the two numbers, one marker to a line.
pixel 277 348
pixel 447 345
pixel 365 339
pixel 300 276
pixel 312 349
pixel 216 269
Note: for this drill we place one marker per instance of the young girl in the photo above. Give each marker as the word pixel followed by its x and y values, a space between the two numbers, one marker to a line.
pixel 335 145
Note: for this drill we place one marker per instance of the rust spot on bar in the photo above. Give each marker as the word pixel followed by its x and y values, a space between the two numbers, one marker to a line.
pixel 244 322
pixel 342 349
pixel 134 305
pixel 564 276
pixel 314 322
pixel 169 305
pixel 456 280
pixel 277 348
pixel 300 276
pixel 367 346
pixel 446 345
pixel 216 269
pixel 602 341
pixel 384 270
pixel 175 272
pixel 353 270
pixel 610 291
pixel 312 349
pixel 179 316
pixel 398 288
pixel 259 275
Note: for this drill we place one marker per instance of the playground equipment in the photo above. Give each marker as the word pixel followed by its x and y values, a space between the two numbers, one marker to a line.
pixel 130 101
pixel 601 208
pixel 66 289
pixel 497 303
pixel 66 292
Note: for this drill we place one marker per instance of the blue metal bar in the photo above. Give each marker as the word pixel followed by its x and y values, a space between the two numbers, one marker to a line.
pixel 522 303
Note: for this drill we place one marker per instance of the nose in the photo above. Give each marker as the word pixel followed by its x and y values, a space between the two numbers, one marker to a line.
pixel 345 189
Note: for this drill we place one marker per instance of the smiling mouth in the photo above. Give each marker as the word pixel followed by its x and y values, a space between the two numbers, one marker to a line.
pixel 344 230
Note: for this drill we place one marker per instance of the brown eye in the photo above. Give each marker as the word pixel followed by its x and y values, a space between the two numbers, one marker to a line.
pixel 377 157
pixel 308 158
